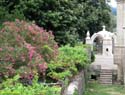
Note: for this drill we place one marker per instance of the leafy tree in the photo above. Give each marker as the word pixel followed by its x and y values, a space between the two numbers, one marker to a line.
pixel 8 12
pixel 69 19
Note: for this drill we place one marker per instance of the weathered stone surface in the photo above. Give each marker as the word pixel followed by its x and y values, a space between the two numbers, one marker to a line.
pixel 106 62
pixel 78 84
pixel 119 53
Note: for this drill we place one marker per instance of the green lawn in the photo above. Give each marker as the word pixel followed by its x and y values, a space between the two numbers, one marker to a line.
pixel 97 89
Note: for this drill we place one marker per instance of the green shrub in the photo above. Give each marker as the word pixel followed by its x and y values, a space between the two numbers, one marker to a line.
pixel 76 55
pixel 13 87
pixel 69 62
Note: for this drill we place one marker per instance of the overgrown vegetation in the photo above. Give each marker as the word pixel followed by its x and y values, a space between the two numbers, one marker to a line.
pixel 28 51
pixel 69 62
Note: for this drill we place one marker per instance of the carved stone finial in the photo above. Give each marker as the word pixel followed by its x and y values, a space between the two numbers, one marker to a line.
pixel 88 39
pixel 88 34
pixel 103 27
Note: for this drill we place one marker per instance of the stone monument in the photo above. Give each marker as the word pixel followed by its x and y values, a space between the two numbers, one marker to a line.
pixel 106 39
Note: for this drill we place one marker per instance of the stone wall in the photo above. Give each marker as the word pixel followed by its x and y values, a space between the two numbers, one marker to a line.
pixel 77 84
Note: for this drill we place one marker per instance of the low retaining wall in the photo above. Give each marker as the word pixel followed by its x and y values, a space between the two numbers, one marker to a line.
pixel 77 85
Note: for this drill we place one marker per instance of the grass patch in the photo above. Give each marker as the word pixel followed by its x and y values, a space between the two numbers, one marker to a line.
pixel 95 88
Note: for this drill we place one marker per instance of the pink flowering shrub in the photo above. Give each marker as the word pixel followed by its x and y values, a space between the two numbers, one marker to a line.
pixel 25 45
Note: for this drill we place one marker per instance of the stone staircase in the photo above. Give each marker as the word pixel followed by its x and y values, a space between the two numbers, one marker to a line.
pixel 105 64
pixel 105 77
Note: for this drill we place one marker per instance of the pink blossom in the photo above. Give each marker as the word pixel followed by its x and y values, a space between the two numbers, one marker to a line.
pixel 30 28
pixel 11 48
pixel 41 30
pixel 1 49
pixel 42 66
pixel 56 46
pixel 31 53
pixel 31 50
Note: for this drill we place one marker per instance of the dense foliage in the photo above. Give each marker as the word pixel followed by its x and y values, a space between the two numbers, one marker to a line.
pixel 69 62
pixel 69 19
pixel 25 48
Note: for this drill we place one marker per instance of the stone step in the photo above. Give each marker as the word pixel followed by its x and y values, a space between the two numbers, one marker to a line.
pixel 107 66
pixel 106 70
pixel 105 78
pixel 106 75
pixel 103 81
